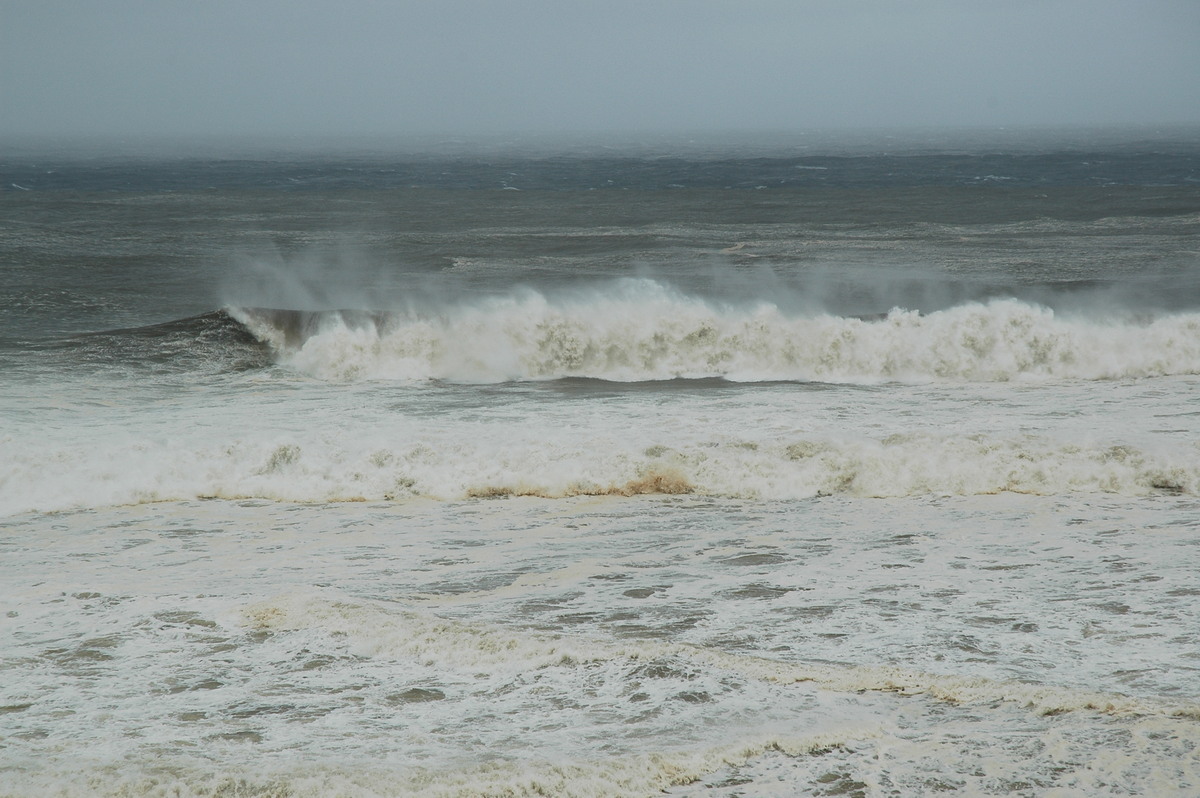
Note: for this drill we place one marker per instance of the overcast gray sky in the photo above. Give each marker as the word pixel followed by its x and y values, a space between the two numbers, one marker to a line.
pixel 365 67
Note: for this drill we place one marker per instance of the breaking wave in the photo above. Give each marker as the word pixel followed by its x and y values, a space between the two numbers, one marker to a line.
pixel 642 330
pixel 336 470
pixel 211 343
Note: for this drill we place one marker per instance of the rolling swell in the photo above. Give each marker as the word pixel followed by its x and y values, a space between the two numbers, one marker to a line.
pixel 211 342
pixel 643 331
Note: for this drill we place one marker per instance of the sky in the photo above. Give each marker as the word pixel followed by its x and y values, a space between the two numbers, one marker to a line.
pixel 85 68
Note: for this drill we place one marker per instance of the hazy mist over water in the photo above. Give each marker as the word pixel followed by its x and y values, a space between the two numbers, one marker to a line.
pixel 314 68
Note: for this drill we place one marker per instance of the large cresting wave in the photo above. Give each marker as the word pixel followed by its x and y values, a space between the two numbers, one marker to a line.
pixel 640 330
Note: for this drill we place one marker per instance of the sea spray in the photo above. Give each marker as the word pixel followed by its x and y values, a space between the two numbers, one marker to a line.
pixel 640 330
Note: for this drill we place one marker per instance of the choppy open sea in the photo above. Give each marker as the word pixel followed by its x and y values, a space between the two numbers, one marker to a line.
pixel 805 467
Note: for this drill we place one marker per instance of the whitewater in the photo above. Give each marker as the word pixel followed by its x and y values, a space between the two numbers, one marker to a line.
pixel 602 487
pixel 641 330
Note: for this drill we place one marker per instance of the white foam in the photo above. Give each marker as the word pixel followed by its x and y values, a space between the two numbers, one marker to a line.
pixel 376 630
pixel 209 610
pixel 639 330
pixel 646 775
pixel 362 466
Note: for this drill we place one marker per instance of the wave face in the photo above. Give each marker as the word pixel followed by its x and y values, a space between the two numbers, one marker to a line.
pixel 209 343
pixel 641 330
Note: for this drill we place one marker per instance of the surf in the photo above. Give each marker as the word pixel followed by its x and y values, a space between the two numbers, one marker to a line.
pixel 639 330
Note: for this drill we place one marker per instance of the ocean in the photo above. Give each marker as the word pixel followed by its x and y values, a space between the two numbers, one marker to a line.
pixel 817 465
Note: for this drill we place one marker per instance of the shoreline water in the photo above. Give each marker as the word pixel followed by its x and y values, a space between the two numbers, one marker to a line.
pixel 862 484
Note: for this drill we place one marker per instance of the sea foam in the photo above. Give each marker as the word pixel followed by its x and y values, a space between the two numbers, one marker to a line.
pixel 376 630
pixel 640 330
pixel 331 468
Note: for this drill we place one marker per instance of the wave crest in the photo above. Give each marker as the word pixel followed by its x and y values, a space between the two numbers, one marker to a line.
pixel 641 330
